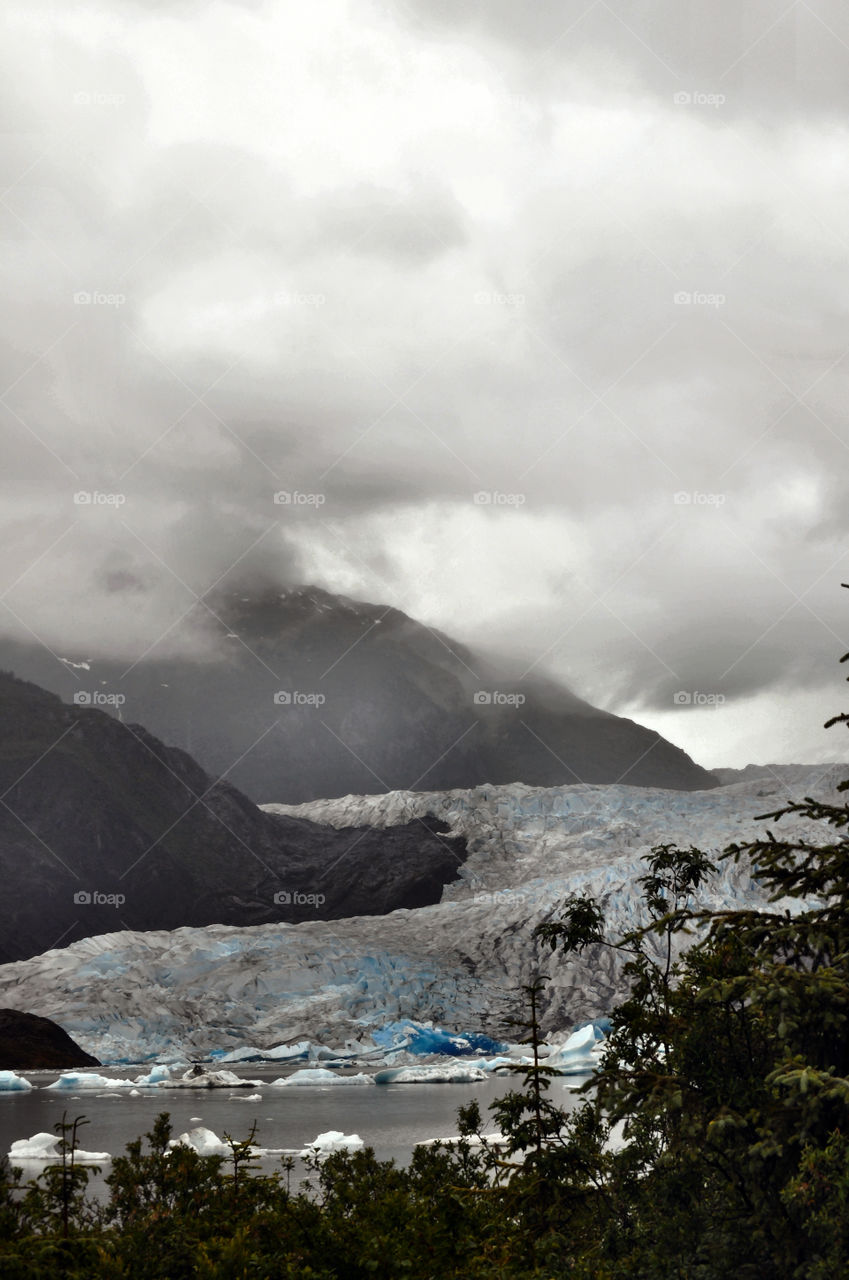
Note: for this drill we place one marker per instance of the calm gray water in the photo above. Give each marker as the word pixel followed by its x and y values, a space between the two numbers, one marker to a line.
pixel 390 1118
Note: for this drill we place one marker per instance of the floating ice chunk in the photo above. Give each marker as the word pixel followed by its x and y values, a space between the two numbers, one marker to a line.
pixel 198 1077
pixel 41 1146
pixel 320 1075
pixel 333 1140
pixel 11 1082
pixel 203 1141
pixel 474 1140
pixel 71 1080
pixel 579 1053
pixel 45 1147
pixel 252 1097
pixel 158 1074
pixel 459 1073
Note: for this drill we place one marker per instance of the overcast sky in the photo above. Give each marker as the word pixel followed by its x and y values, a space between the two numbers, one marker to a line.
pixel 539 312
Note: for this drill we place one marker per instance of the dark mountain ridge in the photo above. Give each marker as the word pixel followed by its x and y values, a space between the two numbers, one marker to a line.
pixel 102 827
pixel 311 695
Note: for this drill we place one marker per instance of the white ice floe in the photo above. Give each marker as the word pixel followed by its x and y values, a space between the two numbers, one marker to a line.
pixel 71 1081
pixel 44 1147
pixel 203 1141
pixel 200 1078
pixel 496 1139
pixel 320 1075
pixel 197 1077
pixel 451 1073
pixel 333 1140
pixel 11 1082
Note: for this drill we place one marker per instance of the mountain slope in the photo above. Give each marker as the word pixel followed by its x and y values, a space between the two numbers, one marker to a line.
pixel 311 695
pixel 31 1043
pixel 104 828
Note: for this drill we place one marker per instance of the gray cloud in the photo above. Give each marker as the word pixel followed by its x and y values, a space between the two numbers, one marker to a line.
pixel 470 250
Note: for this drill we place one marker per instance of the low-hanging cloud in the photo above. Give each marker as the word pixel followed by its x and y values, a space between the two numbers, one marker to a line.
pixel 531 322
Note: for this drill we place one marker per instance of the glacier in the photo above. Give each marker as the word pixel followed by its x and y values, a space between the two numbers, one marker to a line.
pixel 440 978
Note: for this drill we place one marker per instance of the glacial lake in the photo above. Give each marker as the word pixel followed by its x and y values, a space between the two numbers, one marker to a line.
pixel 390 1118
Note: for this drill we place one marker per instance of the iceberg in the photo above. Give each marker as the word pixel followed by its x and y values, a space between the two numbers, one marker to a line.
pixel 496 1139
pixel 71 1081
pixel 197 1077
pixel 579 1054
pixel 459 1073
pixel 159 1074
pixel 203 1141
pixel 334 1140
pixel 321 1076
pixel 11 1082
pixel 44 1147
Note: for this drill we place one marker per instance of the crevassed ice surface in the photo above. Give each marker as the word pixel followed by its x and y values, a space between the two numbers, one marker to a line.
pixel 459 964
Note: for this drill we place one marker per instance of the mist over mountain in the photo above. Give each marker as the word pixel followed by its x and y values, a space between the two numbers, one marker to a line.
pixel 303 694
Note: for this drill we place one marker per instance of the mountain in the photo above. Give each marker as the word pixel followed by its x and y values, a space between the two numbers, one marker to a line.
pixel 459 963
pixel 30 1043
pixel 104 828
pixel 304 694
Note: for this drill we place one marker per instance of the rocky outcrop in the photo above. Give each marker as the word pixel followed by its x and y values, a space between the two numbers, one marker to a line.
pixel 31 1043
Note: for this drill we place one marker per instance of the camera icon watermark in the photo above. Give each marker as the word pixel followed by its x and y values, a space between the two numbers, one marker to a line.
pixel 495 698
pixel 285 898
pixel 699 99
pixel 695 498
pixel 495 897
pixel 94 498
pixel 97 698
pixel 87 298
pixel 495 498
pixel 94 898
pixel 694 698
pixel 295 498
pixel 697 298
pixel 297 698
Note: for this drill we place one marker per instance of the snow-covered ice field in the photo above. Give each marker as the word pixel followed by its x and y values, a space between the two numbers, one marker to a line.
pixel 336 985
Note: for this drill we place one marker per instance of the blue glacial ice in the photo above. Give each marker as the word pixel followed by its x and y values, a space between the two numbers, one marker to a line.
pixel 11 1082
pixel 376 990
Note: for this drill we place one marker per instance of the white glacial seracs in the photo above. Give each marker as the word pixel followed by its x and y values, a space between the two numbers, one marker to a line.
pixel 334 985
